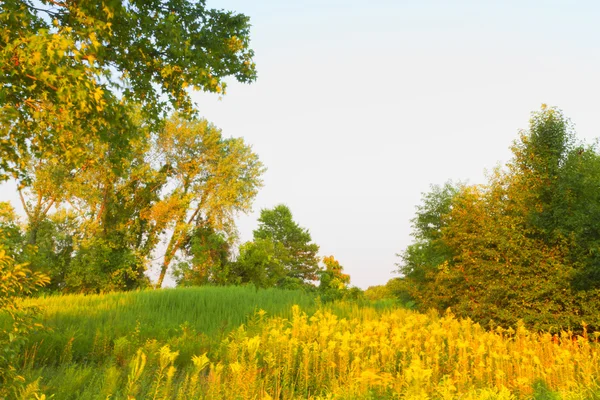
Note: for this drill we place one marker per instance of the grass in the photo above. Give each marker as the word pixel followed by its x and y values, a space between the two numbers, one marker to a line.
pixel 218 343
pixel 85 327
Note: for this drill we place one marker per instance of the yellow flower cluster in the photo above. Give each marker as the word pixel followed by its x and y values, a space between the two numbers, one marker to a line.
pixel 394 354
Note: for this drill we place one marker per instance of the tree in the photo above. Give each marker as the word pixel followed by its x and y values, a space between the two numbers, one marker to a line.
pixel 394 289
pixel 98 237
pixel 208 260
pixel 333 283
pixel 260 262
pixel 519 246
pixel 422 259
pixel 12 233
pixel 98 228
pixel 70 72
pixel 85 87
pixel 298 254
pixel 211 179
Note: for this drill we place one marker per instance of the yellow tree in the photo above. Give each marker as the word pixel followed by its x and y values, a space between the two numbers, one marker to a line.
pixel 501 269
pixel 333 281
pixel 518 246
pixel 69 71
pixel 185 181
pixel 211 179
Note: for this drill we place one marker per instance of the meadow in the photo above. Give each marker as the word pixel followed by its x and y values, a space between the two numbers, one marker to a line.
pixel 244 343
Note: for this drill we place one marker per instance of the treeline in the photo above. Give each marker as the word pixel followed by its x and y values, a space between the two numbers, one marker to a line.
pixel 115 170
pixel 173 203
pixel 524 246
pixel 94 229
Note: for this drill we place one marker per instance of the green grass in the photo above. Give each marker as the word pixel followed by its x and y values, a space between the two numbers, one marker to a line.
pixel 85 328
pixel 88 342
pixel 89 349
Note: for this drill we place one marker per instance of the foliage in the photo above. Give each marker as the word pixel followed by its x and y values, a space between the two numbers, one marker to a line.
pixel 211 179
pixel 17 321
pixel 283 256
pixel 260 262
pixel 521 246
pixel 333 283
pixel 71 70
pixel 209 261
pixel 293 246
pixel 86 92
pixel 12 235
pixel 395 288
pixel 92 229
pixel 378 292
pixel 422 258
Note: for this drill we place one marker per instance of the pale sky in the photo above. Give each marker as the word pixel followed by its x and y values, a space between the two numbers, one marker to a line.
pixel 360 106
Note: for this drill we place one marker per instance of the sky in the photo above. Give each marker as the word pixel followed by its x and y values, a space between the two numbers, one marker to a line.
pixel 360 106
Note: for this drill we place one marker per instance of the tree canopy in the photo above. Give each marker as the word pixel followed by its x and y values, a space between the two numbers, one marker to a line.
pixel 281 254
pixel 522 246
pixel 300 254
pixel 98 128
pixel 70 72
pixel 98 230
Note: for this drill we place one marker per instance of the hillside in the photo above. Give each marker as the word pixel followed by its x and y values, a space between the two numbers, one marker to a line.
pixel 239 342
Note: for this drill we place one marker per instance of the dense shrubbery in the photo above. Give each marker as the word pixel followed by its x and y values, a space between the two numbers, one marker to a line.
pixel 17 321
pixel 523 246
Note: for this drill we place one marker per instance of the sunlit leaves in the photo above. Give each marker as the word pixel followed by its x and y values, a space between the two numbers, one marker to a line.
pixel 519 246
pixel 210 180
pixel 68 71
pixel 16 280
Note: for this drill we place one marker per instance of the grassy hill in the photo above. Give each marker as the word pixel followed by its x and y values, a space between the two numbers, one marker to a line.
pixel 243 343
pixel 85 327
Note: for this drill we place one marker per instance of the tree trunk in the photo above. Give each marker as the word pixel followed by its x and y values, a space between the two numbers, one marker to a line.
pixel 163 269
pixel 172 248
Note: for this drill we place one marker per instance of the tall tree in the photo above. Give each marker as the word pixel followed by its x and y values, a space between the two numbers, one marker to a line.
pixel 184 181
pixel 523 245
pixel 211 179
pixel 70 70
pixel 298 254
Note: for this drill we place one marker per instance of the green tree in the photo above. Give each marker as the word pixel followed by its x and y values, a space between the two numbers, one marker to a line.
pixel 260 262
pixel 70 71
pixel 297 254
pixel 523 245
pixel 12 237
pixel 55 247
pixel 422 259
pixel 208 259
pixel 104 239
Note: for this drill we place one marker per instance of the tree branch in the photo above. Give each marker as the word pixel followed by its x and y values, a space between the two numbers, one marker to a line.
pixel 27 211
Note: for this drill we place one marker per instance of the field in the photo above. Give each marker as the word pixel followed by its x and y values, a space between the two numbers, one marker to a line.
pixel 243 343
